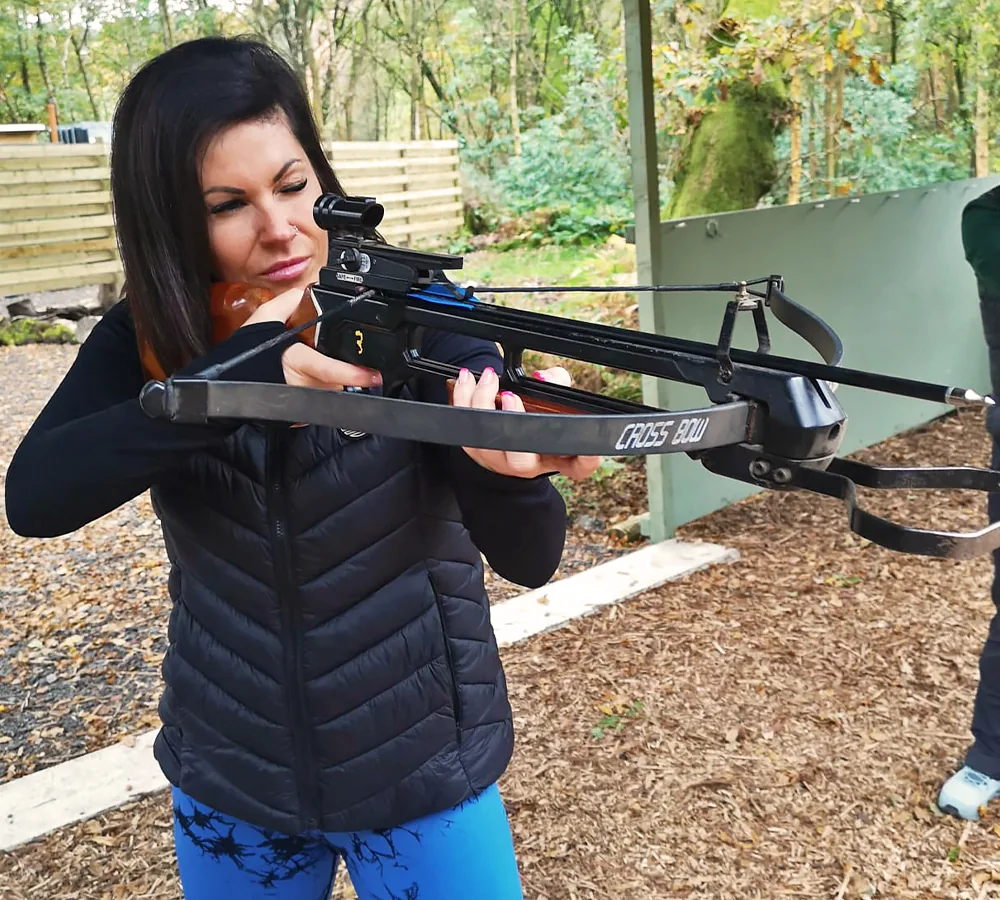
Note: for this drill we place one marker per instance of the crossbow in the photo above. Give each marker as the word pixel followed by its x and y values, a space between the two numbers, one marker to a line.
pixel 770 421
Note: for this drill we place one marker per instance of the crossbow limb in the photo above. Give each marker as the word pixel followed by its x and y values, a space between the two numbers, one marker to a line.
pixel 771 421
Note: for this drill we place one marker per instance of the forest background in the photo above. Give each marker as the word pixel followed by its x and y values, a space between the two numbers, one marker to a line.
pixel 758 102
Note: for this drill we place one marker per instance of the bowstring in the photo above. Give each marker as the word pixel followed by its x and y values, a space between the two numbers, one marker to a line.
pixel 722 287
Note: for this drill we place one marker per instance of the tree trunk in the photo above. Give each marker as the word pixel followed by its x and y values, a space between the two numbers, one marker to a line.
pixel 895 17
pixel 932 76
pixel 515 115
pixel 795 134
pixel 40 47
pixel 981 125
pixel 813 149
pixel 5 98
pixel 416 73
pixel 981 53
pixel 838 116
pixel 78 47
pixel 729 163
pixel 311 64
pixel 22 55
pixel 165 25
pixel 833 110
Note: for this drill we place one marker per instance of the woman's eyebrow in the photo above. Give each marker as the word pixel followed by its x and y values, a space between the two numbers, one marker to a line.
pixel 231 190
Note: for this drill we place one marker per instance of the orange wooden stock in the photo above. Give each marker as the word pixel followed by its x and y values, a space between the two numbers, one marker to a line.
pixel 231 304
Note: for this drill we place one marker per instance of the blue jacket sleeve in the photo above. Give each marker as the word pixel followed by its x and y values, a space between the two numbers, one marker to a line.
pixel 519 524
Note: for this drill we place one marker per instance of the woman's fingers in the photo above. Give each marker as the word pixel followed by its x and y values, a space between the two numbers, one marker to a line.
pixel 485 394
pixel 307 367
pixel 518 463
pixel 479 396
pixel 555 375
pixel 279 309
pixel 576 468
pixel 465 386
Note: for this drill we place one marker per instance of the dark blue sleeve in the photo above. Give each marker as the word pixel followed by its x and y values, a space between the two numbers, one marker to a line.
pixel 519 524
pixel 94 418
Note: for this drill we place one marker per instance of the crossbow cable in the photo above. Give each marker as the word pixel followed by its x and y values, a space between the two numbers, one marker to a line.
pixel 772 421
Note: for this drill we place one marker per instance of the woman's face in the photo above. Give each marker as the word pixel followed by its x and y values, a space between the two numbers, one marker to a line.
pixel 259 189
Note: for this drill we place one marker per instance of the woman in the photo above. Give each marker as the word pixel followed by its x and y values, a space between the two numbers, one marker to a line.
pixel 332 682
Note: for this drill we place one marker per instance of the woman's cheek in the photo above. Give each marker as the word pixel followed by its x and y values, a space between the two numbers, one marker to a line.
pixel 228 251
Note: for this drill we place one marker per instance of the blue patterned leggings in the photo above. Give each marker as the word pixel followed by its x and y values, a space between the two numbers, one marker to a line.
pixel 462 854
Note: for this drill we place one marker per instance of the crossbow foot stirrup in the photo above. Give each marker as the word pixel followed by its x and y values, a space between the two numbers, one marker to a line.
pixel 840 479
pixel 771 421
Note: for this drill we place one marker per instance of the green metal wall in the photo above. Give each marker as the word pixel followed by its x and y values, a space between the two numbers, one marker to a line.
pixel 886 271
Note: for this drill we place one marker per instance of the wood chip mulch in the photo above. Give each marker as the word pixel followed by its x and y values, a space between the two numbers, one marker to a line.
pixel 83 617
pixel 775 727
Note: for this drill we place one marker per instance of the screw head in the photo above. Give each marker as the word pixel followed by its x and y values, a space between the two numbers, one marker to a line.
pixel 759 468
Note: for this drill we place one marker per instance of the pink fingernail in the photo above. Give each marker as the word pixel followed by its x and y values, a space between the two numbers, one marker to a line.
pixel 488 371
pixel 539 376
pixel 463 376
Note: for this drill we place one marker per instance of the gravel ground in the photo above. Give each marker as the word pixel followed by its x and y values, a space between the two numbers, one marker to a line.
pixel 83 617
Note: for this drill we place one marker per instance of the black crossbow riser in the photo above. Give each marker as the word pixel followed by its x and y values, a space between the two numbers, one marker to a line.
pixel 772 421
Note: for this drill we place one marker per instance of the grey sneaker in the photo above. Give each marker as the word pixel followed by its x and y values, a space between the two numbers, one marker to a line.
pixel 966 792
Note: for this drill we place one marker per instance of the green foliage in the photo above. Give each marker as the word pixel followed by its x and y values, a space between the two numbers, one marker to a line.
pixel 574 166
pixel 615 718
pixel 81 56
pixel 32 331
pixel 883 146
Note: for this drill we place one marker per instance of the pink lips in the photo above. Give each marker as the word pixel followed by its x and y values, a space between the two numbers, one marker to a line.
pixel 287 269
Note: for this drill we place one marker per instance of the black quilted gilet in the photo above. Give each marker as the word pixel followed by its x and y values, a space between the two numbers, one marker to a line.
pixel 331 662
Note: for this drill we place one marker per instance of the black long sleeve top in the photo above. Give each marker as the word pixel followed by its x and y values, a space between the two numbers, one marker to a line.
pixel 94 419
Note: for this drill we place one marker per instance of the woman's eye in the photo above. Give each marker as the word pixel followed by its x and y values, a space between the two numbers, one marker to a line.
pixel 228 206
pixel 295 188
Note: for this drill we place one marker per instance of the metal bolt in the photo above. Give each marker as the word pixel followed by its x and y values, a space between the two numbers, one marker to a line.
pixel 712 228
pixel 782 476
pixel 759 468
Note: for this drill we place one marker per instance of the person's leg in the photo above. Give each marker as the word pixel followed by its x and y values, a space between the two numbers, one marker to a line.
pixel 978 781
pixel 984 755
pixel 466 853
pixel 220 857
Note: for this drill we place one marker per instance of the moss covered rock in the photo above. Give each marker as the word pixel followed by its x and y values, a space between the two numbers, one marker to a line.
pixel 34 331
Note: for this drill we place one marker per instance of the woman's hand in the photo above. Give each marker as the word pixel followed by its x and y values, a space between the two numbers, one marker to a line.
pixel 518 464
pixel 304 366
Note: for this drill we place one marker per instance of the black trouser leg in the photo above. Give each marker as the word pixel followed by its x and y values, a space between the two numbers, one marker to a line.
pixel 984 755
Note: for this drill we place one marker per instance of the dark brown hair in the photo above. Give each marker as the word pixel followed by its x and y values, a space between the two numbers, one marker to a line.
pixel 164 121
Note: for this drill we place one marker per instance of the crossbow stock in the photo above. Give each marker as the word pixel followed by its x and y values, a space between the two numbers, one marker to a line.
pixel 771 421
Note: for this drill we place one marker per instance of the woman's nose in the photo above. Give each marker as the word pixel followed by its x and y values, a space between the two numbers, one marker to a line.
pixel 276 228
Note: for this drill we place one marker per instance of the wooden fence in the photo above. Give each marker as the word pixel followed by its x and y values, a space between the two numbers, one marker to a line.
pixel 57 229
pixel 417 183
